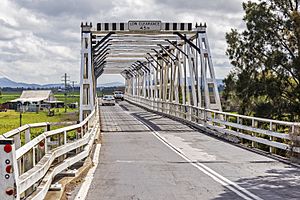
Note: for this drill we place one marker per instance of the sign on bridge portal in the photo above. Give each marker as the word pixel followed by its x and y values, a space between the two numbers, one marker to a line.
pixel 144 25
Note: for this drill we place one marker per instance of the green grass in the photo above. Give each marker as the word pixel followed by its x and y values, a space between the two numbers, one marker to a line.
pixel 10 120
pixel 71 98
pixel 8 96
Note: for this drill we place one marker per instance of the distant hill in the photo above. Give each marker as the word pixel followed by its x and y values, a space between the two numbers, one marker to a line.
pixel 5 82
pixel 219 81
pixel 112 84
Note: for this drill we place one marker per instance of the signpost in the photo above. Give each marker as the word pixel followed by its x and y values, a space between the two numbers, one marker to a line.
pixel 144 25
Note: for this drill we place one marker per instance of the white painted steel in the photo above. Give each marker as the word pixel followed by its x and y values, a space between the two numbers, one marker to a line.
pixel 41 172
pixel 219 121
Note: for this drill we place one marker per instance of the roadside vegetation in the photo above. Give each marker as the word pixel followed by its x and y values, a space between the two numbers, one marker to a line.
pixel 265 81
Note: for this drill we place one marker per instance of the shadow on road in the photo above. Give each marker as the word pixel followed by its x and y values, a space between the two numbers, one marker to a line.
pixel 278 184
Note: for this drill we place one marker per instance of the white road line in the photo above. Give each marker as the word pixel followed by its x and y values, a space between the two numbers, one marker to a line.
pixel 242 192
pixel 89 177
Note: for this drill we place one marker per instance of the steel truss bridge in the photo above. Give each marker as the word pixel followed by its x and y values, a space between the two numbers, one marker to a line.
pixel 170 139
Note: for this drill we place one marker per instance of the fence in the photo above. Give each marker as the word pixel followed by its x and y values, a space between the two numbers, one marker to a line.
pixel 277 137
pixel 28 165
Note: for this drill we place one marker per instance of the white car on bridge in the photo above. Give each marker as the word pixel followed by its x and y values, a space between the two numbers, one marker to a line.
pixel 119 95
pixel 108 100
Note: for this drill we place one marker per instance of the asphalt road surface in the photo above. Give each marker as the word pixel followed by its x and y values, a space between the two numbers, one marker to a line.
pixel 146 156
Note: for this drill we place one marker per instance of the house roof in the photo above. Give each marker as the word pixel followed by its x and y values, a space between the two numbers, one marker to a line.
pixel 33 96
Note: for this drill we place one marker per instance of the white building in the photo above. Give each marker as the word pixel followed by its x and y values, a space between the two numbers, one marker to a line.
pixel 35 98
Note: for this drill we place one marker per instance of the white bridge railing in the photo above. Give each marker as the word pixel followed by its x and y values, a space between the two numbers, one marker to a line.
pixel 277 137
pixel 28 165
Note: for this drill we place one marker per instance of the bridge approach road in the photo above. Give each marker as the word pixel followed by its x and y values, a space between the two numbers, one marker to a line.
pixel 146 156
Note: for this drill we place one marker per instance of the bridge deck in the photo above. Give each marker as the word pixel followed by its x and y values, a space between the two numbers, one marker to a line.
pixel 136 163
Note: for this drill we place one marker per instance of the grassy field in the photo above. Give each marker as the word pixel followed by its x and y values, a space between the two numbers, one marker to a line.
pixel 8 96
pixel 71 98
pixel 11 119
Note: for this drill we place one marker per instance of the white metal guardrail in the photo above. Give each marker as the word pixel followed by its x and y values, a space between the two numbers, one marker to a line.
pixel 272 134
pixel 28 165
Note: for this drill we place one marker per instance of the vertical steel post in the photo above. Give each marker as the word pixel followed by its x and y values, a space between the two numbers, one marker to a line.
pixel 87 77
pixel 207 69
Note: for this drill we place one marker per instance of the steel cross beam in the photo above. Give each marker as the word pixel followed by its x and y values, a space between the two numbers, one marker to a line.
pixel 187 41
pixel 102 40
pixel 161 56
pixel 103 47
pixel 101 59
pixel 155 60
pixel 100 56
pixel 144 66
pixel 169 53
pixel 174 45
pixel 149 61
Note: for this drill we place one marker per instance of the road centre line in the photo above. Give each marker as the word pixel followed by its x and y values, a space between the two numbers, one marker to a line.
pixel 242 192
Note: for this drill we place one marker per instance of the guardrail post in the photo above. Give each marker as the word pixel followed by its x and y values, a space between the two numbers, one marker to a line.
pixel 205 117
pixel 271 149
pixel 47 127
pixel 238 122
pixel 253 134
pixel 17 140
pixel 33 154
pixel 27 135
pixel 295 143
pixel 47 141
pixel 190 112
pixel 214 119
pixel 8 170
pixel 65 137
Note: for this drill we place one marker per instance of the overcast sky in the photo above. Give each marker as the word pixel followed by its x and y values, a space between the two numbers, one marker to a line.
pixel 40 39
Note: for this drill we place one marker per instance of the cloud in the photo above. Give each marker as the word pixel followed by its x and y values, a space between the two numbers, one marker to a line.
pixel 40 39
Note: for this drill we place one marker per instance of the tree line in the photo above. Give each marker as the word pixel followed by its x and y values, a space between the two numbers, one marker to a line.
pixel 265 80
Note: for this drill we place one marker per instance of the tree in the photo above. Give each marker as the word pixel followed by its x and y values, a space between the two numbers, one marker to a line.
pixel 266 59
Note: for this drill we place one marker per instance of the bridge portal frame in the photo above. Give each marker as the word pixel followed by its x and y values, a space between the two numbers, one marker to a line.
pixel 172 63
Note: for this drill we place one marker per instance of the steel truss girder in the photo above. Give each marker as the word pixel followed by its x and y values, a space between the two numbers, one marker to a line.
pixel 158 66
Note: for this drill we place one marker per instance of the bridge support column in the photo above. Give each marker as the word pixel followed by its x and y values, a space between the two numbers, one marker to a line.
pixel 208 78
pixel 87 77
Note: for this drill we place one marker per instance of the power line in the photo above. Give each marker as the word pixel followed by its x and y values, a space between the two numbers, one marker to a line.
pixel 66 81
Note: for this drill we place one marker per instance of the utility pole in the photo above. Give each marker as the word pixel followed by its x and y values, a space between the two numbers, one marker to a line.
pixel 20 110
pixel 73 85
pixel 66 80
